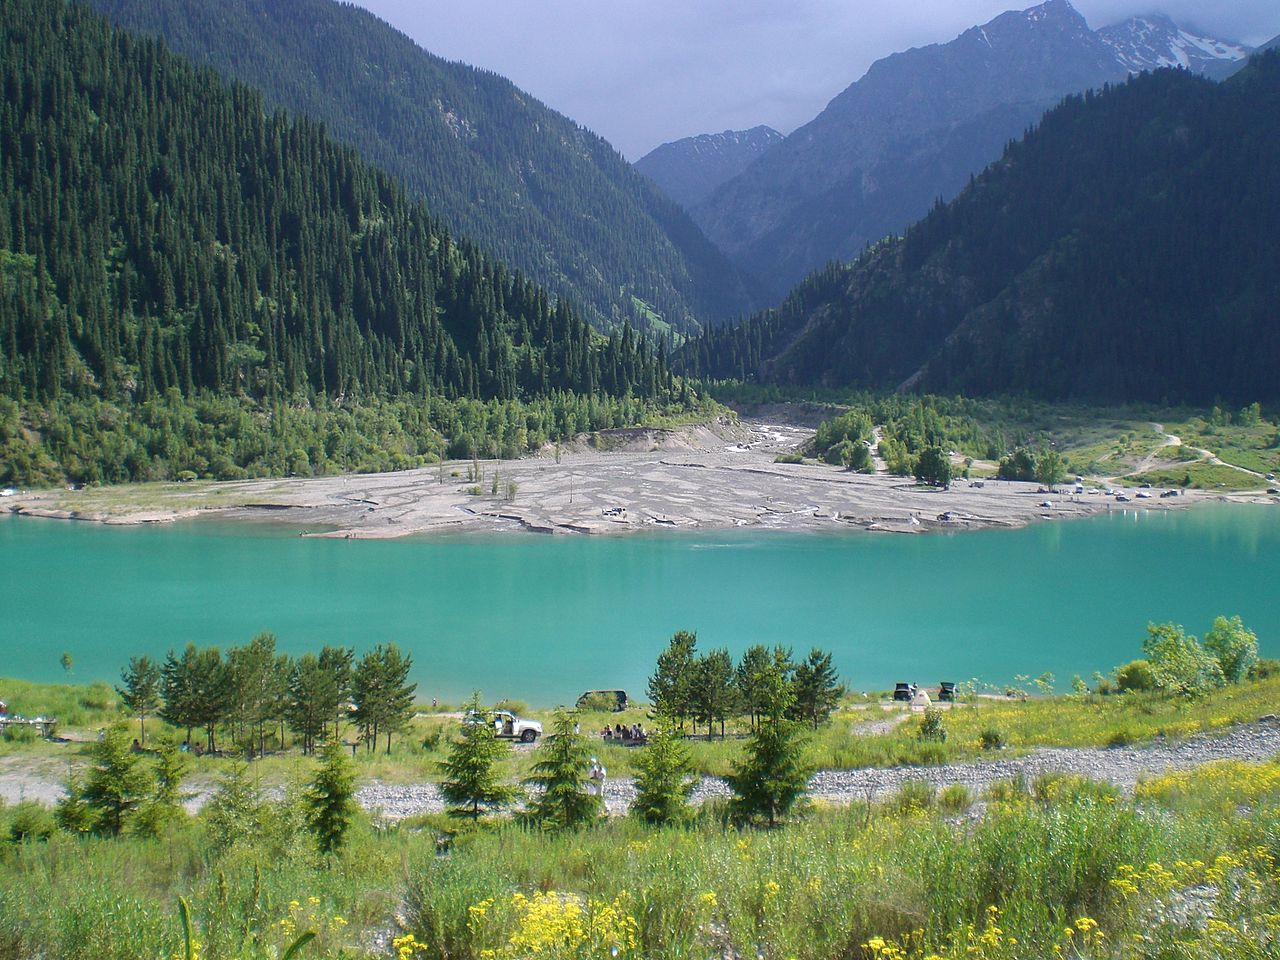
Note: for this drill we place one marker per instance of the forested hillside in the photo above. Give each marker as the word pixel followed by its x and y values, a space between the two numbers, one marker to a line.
pixel 181 268
pixel 917 125
pixel 526 184
pixel 1126 249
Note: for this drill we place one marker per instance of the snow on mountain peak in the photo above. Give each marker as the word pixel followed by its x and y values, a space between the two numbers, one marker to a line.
pixel 1154 41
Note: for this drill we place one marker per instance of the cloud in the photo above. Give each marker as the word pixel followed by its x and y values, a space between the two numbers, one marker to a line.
pixel 641 72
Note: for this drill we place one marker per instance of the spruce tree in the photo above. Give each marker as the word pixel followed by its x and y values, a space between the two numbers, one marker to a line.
pixel 817 689
pixel 140 692
pixel 118 781
pixel 670 687
pixel 559 776
pixel 472 782
pixel 330 798
pixel 664 779
pixel 775 771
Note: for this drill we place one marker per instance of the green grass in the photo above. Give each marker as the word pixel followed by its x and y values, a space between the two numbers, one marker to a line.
pixel 75 705
pixel 1045 856
pixel 1204 476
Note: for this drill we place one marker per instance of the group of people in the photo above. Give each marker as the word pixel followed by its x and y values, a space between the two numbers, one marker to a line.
pixel 632 734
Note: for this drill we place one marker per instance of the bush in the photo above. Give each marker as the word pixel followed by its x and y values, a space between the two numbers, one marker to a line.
pixel 931 726
pixel 1264 668
pixel 1136 676
pixel 31 821
pixel 991 739
pixel 1121 738
pixel 913 796
pixel 19 734
pixel 955 799
pixel 789 458
pixel 1006 791
pixel 598 702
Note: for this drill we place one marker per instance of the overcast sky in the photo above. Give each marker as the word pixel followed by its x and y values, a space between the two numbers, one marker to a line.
pixel 641 72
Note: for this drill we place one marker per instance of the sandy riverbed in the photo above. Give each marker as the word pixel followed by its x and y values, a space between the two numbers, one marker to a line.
pixel 710 476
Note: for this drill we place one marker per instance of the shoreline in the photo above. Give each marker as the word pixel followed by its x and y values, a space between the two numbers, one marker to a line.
pixel 712 476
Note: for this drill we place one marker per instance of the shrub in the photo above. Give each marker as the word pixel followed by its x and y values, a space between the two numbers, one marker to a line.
pixel 955 798
pixel 1136 677
pixel 598 702
pixel 913 796
pixel 931 726
pixel 991 739
pixel 1264 668
pixel 1121 738
pixel 31 821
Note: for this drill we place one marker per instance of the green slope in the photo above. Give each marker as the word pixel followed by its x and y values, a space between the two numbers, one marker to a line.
pixel 527 184
pixel 1123 250
pixel 164 239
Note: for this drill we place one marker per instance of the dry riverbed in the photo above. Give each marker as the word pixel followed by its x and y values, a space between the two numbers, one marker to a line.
pixel 707 476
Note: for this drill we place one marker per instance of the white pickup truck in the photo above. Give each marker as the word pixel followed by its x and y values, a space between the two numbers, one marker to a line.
pixel 507 726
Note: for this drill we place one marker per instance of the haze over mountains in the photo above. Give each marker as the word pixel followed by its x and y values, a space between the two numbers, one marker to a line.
pixel 687 170
pixel 1126 249
pixel 528 185
pixel 917 126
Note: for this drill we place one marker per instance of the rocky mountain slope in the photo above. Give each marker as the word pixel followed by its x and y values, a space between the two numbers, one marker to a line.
pixel 917 126
pixel 688 170
pixel 1125 249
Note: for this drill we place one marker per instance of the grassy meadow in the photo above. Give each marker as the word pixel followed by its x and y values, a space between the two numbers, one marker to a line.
pixel 1060 867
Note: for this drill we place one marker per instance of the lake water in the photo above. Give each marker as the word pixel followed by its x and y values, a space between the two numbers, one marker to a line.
pixel 543 618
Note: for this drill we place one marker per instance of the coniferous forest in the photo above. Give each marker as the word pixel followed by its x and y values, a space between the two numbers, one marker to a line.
pixel 1125 249
pixel 192 282
pixel 528 185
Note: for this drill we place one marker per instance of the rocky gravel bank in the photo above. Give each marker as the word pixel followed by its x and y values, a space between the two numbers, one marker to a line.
pixel 1123 766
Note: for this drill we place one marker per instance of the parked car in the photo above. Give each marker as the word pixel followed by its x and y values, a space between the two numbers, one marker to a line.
pixel 947 691
pixel 1122 498
pixel 1143 495
pixel 1168 493
pixel 507 726
pixel 904 691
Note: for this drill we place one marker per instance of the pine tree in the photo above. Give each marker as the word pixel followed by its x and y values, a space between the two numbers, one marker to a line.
pixel 559 776
pixel 774 774
pixel 671 684
pixel 118 781
pixel 140 692
pixel 817 689
pixel 664 779
pixel 330 798
pixel 472 781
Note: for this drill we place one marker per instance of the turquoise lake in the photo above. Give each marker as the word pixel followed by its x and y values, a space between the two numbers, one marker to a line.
pixel 543 618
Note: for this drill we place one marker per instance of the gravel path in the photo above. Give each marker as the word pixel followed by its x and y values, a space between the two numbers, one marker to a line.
pixel 1122 766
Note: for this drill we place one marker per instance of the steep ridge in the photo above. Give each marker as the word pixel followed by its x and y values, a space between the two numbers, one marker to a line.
pixel 525 183
pixel 688 170
pixel 915 128
pixel 1124 250
pixel 166 241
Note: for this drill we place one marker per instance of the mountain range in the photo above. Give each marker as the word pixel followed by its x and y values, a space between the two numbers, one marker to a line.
pixel 1125 249
pixel 689 170
pixel 526 184
pixel 917 126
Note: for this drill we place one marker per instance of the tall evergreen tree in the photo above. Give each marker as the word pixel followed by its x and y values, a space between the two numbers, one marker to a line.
pixel 561 800
pixel 817 689
pixel 330 798
pixel 472 782
pixel 664 779
pixel 670 687
pixel 140 692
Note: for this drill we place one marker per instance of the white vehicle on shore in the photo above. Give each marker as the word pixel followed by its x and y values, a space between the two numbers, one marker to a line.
pixel 507 726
